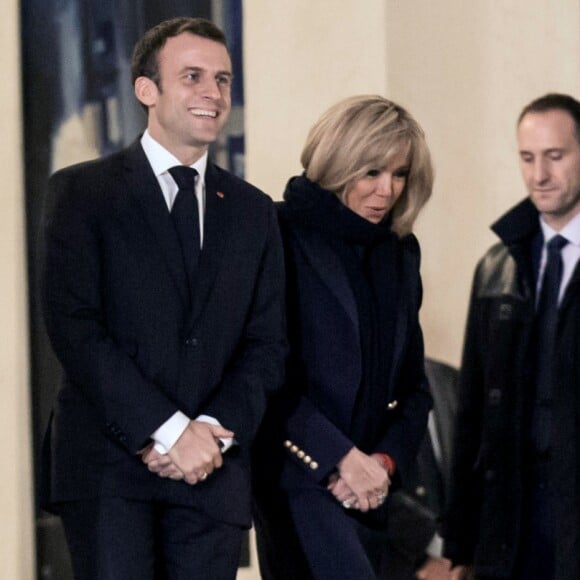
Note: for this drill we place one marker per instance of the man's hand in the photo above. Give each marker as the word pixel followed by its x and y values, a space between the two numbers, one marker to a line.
pixel 435 569
pixel 160 464
pixel 197 453
pixel 462 573
pixel 366 478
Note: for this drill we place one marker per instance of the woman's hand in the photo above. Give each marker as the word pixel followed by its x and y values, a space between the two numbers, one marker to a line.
pixel 340 490
pixel 364 477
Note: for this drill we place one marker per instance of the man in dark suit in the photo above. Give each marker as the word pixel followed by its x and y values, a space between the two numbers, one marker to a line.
pixel 414 545
pixel 170 338
pixel 515 497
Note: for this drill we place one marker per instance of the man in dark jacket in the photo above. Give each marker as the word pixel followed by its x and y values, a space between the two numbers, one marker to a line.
pixel 515 501
pixel 163 297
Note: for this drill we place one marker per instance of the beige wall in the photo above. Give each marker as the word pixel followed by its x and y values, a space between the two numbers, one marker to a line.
pixel 464 69
pixel 16 547
pixel 300 56
pixel 466 72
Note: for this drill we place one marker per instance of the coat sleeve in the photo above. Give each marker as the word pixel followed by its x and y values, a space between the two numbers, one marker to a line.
pixel 297 426
pixel 128 407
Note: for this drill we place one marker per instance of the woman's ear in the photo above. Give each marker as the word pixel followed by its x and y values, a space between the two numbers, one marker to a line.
pixel 146 91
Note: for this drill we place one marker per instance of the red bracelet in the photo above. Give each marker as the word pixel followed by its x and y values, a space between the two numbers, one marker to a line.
pixel 387 462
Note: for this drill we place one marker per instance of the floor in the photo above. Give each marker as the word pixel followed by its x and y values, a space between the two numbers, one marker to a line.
pixel 250 573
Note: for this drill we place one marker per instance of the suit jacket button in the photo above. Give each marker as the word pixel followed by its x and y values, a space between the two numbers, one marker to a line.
pixel 494 397
pixel 420 491
pixel 392 405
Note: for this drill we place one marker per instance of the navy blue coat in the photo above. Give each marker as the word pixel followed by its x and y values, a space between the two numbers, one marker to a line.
pixel 133 352
pixel 306 430
pixel 315 410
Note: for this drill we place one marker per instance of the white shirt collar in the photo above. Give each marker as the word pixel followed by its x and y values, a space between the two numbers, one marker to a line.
pixel 161 159
pixel 571 231
pixel 570 253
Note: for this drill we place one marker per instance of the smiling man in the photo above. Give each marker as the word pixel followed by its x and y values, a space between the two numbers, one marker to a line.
pixel 515 500
pixel 163 300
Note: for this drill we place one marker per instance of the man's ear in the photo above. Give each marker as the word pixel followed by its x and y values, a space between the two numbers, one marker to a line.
pixel 146 91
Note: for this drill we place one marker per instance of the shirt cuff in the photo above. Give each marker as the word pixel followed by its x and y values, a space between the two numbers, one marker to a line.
pixel 166 436
pixel 226 442
pixel 435 547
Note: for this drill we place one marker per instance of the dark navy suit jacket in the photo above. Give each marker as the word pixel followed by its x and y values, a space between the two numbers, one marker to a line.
pixel 133 351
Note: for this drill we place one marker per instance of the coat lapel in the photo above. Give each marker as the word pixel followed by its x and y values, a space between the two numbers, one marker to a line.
pixel 328 266
pixel 144 188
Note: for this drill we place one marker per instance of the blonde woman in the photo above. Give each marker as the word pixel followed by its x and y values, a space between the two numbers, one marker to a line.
pixel 347 425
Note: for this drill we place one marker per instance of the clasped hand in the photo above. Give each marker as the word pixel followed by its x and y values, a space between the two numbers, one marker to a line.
pixel 193 457
pixel 361 482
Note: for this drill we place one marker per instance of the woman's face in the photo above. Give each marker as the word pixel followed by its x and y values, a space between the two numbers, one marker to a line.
pixel 373 196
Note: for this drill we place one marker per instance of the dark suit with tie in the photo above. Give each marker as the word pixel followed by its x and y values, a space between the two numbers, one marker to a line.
pixel 497 470
pixel 134 351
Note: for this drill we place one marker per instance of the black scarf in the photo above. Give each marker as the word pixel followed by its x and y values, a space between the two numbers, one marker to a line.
pixel 369 255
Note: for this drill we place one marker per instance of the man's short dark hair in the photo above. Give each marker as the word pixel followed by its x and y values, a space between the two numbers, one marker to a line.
pixel 145 61
pixel 555 102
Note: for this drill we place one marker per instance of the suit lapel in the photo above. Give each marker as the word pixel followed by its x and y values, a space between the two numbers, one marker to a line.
pixel 217 225
pixel 144 188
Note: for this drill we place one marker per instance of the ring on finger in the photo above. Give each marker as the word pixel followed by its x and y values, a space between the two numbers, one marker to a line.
pixel 203 476
pixel 346 504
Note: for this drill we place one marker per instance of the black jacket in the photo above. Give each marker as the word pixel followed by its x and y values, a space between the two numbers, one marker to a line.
pixel 133 352
pixel 496 387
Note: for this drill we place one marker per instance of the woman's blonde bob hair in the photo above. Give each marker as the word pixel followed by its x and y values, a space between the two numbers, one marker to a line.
pixel 363 133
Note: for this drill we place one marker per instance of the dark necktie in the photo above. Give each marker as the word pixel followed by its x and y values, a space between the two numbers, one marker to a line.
pixel 546 324
pixel 185 216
